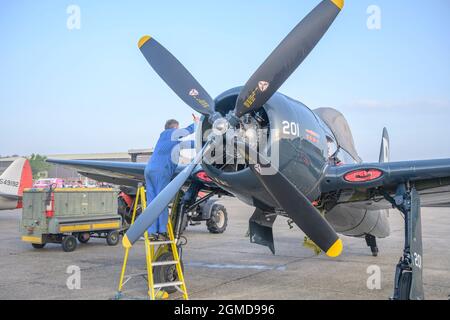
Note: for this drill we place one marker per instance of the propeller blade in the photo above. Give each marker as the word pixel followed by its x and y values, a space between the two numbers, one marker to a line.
pixel 159 203
pixel 271 75
pixel 296 205
pixel 176 76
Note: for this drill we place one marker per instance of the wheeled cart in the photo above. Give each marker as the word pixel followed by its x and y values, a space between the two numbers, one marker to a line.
pixel 65 215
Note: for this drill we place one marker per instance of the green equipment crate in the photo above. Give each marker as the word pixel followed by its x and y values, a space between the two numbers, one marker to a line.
pixel 65 215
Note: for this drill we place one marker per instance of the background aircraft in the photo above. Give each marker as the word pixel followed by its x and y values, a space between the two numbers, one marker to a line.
pixel 321 183
pixel 13 181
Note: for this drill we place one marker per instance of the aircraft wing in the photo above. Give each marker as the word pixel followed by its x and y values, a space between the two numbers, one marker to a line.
pixel 115 172
pixel 120 173
pixel 365 184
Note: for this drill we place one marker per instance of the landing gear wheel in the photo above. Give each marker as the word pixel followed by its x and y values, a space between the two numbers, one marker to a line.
pixel 177 212
pixel 69 243
pixel 219 219
pixel 38 245
pixel 84 237
pixel 184 224
pixel 112 238
pixel 167 273
pixel 404 286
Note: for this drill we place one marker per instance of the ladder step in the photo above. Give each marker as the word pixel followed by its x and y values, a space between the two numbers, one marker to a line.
pixel 167 284
pixel 164 263
pixel 157 243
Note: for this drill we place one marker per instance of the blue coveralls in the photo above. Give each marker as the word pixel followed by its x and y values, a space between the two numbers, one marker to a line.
pixel 161 168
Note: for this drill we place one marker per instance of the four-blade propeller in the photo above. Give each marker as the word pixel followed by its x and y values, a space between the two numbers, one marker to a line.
pixel 261 86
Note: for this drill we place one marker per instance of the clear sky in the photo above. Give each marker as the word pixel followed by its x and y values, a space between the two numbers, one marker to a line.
pixel 91 90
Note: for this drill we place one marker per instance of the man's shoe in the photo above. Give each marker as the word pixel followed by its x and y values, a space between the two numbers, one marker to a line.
pixel 163 237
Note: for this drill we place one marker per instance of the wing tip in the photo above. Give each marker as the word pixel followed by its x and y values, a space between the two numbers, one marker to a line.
pixel 338 3
pixel 143 40
pixel 336 249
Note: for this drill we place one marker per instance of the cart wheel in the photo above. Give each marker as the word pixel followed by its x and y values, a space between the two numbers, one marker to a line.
pixel 38 245
pixel 84 237
pixel 219 219
pixel 112 238
pixel 166 273
pixel 69 243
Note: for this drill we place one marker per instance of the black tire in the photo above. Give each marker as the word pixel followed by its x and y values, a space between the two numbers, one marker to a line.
pixel 112 238
pixel 184 224
pixel 167 273
pixel 84 237
pixel 405 285
pixel 219 219
pixel 38 245
pixel 69 243
pixel 176 212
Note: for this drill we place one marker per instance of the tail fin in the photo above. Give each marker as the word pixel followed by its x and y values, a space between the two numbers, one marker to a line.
pixel 16 177
pixel 385 148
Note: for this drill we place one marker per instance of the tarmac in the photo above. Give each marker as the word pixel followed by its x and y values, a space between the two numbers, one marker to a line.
pixel 228 266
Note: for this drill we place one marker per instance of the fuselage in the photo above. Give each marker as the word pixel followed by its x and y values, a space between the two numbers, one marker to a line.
pixel 305 148
pixel 302 150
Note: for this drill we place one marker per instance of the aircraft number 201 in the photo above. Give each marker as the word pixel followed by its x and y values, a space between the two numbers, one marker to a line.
pixel 291 128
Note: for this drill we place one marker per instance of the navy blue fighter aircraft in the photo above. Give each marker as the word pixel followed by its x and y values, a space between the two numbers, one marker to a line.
pixel 320 183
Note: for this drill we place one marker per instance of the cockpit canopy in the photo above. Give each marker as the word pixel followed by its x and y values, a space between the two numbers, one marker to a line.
pixel 340 128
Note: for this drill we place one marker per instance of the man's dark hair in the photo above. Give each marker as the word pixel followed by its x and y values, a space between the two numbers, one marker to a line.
pixel 172 123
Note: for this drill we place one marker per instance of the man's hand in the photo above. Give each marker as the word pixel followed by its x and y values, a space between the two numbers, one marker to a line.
pixel 196 119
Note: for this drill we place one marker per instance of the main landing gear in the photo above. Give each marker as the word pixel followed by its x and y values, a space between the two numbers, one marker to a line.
pixel 408 284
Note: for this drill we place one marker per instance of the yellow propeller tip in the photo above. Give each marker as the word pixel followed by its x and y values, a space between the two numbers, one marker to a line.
pixel 338 3
pixel 143 40
pixel 126 243
pixel 336 249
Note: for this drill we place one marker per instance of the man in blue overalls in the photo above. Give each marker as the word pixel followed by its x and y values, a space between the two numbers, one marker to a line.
pixel 162 164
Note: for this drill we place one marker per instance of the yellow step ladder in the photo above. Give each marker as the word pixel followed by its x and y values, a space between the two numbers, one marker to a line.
pixel 155 290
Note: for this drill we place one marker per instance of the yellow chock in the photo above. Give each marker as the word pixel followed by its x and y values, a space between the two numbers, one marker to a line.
pixel 308 243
